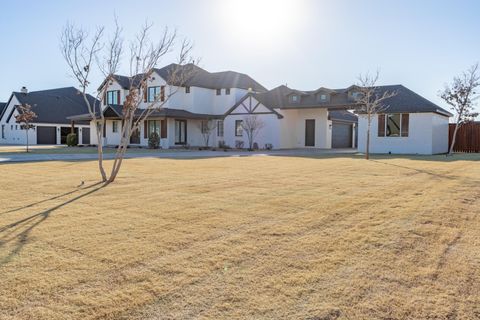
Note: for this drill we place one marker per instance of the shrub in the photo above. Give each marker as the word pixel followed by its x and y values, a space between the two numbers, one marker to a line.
pixel 154 140
pixel 239 144
pixel 72 140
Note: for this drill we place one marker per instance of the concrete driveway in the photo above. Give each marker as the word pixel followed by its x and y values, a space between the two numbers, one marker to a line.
pixel 168 154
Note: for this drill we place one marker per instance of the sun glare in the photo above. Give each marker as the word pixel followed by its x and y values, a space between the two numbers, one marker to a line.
pixel 261 22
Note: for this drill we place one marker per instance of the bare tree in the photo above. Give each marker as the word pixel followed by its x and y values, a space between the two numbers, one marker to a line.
pixel 206 128
pixel 144 57
pixel 252 125
pixel 371 101
pixel 25 117
pixel 79 51
pixel 461 96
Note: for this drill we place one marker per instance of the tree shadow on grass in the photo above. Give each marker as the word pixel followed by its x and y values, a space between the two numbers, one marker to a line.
pixel 49 199
pixel 22 228
pixel 433 174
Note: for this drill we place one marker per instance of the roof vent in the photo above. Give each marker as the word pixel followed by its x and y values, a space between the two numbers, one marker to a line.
pixel 24 90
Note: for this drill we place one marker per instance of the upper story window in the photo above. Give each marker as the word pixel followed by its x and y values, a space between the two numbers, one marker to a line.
pixel 393 125
pixel 227 91
pixel 294 98
pixel 154 92
pixel 323 97
pixel 219 92
pixel 187 89
pixel 113 97
pixel 356 95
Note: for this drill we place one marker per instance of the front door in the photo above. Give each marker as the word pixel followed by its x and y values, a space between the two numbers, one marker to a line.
pixel 310 133
pixel 135 137
pixel 180 131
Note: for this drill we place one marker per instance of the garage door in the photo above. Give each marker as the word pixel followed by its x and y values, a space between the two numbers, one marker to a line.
pixel 341 135
pixel 46 135
pixel 86 136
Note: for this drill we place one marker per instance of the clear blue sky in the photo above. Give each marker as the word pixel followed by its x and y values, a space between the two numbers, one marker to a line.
pixel 306 44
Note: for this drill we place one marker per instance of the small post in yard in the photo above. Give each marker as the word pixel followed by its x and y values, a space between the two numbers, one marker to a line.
pixel 72 127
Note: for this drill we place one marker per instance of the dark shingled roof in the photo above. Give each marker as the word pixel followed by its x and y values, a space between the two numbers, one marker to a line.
pixel 55 105
pixel 342 115
pixel 115 111
pixel 405 99
pixel 199 78
pixel 2 106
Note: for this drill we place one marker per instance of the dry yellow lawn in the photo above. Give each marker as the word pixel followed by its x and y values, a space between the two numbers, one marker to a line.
pixel 242 238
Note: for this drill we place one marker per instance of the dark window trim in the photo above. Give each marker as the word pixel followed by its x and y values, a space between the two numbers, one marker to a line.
pixel 238 125
pixel 186 132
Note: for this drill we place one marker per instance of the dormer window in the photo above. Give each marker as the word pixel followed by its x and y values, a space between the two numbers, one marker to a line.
pixel 294 98
pixel 356 95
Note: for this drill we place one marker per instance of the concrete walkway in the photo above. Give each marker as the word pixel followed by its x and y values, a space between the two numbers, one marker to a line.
pixel 193 154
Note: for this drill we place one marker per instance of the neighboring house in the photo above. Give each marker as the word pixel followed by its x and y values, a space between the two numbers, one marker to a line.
pixel 52 108
pixel 410 124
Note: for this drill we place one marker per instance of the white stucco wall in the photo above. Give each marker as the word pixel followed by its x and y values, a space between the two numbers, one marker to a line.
pixel 270 133
pixel 293 128
pixel 428 134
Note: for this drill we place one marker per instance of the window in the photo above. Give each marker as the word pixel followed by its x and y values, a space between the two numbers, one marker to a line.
pixel 204 127
pixel 3 131
pixel 11 127
pixel 219 92
pixel 153 126
pixel 220 128
pixel 294 98
pixel 227 91
pixel 393 125
pixel 187 89
pixel 113 97
pixel 114 126
pixel 153 93
pixel 356 95
pixel 238 128
pixel 323 97
pixel 162 93
pixel 16 127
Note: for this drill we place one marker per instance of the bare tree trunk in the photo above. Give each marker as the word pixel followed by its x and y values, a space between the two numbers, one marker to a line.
pixel 367 149
pixel 454 137
pixel 27 139
pixel 100 153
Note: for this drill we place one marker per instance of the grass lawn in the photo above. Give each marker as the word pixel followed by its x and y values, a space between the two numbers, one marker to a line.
pixel 242 238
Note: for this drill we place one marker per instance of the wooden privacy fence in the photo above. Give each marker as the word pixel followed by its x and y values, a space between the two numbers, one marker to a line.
pixel 468 137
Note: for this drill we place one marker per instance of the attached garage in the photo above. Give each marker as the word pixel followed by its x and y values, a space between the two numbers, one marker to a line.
pixel 46 135
pixel 342 134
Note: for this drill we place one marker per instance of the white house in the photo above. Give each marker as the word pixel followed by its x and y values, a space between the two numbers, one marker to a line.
pixel 291 118
pixel 410 124
pixel 227 97
pixel 51 125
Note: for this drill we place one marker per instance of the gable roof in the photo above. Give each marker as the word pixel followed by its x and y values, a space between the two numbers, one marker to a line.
pixel 251 94
pixel 405 100
pixel 54 105
pixel 2 106
pixel 200 78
